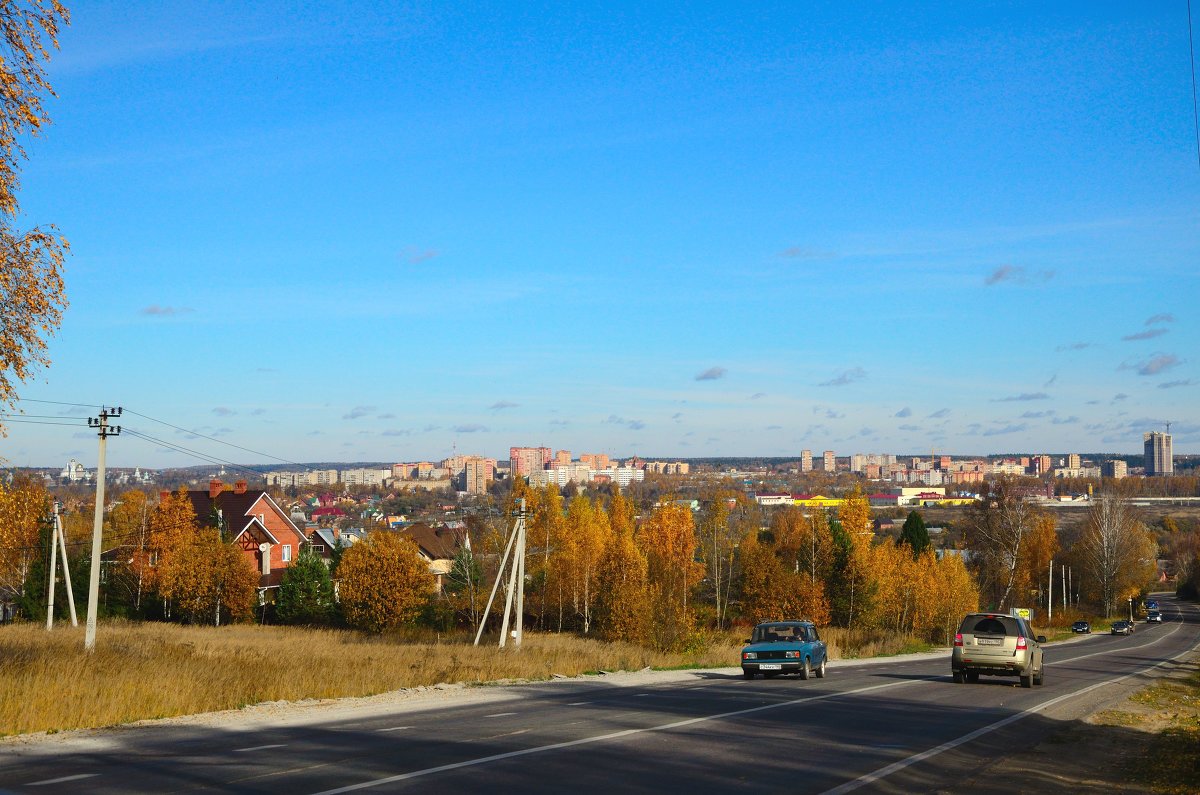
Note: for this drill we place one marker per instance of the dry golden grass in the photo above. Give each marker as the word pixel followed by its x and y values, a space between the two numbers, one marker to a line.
pixel 160 670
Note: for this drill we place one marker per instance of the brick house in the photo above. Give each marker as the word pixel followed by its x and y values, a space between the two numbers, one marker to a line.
pixel 255 522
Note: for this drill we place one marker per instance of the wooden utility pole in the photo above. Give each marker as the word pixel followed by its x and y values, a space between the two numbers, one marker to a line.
pixel 103 431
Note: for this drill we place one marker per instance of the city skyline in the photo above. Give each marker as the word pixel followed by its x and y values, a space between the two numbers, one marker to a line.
pixel 385 234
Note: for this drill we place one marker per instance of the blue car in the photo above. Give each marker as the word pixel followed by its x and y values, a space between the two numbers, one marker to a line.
pixel 784 647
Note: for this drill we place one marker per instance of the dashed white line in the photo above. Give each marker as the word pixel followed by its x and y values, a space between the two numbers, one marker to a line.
pixel 500 715
pixel 258 748
pixel 394 729
pixel 62 780
pixel 578 703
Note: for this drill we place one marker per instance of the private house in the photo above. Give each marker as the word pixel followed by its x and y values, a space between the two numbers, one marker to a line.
pixel 255 522
pixel 438 546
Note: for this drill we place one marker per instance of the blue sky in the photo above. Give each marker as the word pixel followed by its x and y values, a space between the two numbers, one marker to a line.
pixel 329 232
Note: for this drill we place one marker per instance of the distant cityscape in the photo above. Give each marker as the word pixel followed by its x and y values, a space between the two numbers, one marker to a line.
pixel 471 474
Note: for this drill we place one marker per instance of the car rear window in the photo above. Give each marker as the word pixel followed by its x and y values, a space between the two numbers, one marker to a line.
pixel 988 625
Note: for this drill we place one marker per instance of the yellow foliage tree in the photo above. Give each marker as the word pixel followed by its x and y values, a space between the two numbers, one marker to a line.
pixel 623 606
pixel 32 295
pixel 772 588
pixel 588 534
pixel 208 577
pixel 951 594
pixel 668 539
pixel 23 505
pixel 383 582
pixel 172 523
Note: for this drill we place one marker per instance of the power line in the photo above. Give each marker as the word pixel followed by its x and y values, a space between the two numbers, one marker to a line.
pixel 195 453
pixel 59 403
pixel 7 415
pixel 40 422
pixel 1195 113
pixel 213 439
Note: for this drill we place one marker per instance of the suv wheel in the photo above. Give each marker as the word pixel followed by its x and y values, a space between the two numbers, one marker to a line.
pixel 958 678
pixel 1038 678
pixel 1026 680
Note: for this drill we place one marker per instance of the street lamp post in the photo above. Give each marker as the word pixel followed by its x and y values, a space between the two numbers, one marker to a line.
pixel 1131 609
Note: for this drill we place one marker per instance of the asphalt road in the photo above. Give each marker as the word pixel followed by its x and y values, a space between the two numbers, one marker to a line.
pixel 892 726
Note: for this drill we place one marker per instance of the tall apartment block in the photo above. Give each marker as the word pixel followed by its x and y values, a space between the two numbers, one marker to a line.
pixel 1073 461
pixel 806 460
pixel 1159 460
pixel 830 461
pixel 524 460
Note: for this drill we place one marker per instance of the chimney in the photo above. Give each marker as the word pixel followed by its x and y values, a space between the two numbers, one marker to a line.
pixel 239 487
pixel 214 488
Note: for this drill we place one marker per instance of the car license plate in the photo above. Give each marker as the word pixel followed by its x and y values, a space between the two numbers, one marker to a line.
pixel 989 641
pixel 769 667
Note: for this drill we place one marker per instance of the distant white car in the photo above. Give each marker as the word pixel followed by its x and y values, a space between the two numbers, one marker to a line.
pixel 1154 617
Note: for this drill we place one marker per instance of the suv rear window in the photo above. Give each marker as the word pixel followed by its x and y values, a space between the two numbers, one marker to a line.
pixel 988 625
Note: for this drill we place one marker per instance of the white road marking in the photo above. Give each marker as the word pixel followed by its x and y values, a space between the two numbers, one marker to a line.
pixel 484 760
pixel 884 772
pixel 500 715
pixel 258 748
pixel 394 729
pixel 578 703
pixel 62 780
pixel 641 695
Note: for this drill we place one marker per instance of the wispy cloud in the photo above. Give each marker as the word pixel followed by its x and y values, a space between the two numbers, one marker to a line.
pixel 910 427
pixel 758 395
pixel 711 374
pixel 358 412
pixel 937 415
pixel 1006 430
pixel 397 432
pixel 1065 420
pixel 1157 363
pixel 846 377
pixel 258 412
pixel 1148 334
pixel 472 427
pixel 806 253
pixel 1176 384
pixel 1074 346
pixel 774 428
pixel 1050 383
pixel 154 310
pixel 429 428
pixel 1015 274
pixel 1117 398
pixel 1164 317
pixel 500 405
pixel 1022 398
pixel 1037 415
pixel 635 425
pixel 904 412
pixel 415 256
pixel 222 411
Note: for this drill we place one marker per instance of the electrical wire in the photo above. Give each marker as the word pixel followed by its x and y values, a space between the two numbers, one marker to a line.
pixel 1195 113
pixel 213 439
pixel 42 422
pixel 196 453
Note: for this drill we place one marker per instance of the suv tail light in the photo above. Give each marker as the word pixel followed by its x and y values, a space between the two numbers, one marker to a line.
pixel 1021 644
pixel 957 638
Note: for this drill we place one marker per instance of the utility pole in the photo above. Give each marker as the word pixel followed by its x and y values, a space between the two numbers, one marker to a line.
pixel 103 431
pixel 516 582
pixel 59 542
pixel 1050 595
pixel 1065 586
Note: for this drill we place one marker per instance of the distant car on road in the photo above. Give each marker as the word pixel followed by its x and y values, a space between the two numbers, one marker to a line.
pixel 1154 617
pixel 1082 627
pixel 1151 605
pixel 784 647
pixel 1122 627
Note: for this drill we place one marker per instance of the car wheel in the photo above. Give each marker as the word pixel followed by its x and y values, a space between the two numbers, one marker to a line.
pixel 958 677
pixel 748 674
pixel 805 670
pixel 820 672
pixel 1039 677
pixel 1026 680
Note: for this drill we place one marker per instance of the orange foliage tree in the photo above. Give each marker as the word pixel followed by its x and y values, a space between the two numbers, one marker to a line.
pixel 208 577
pixel 623 606
pixel 23 506
pixel 668 539
pixel 382 582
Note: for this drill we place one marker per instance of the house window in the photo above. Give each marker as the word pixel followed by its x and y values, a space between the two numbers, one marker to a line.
pixel 318 548
pixel 287 553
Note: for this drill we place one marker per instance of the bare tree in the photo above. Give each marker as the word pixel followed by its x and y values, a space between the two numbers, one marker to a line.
pixel 1116 550
pixel 996 531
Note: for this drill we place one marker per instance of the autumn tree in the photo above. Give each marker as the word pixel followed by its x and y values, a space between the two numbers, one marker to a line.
pixel 851 590
pixel 383 582
pixel 1117 551
pixel 772 589
pixel 32 294
pixel 305 591
pixel 208 578
pixel 172 524
pixel 24 505
pixel 623 610
pixel 588 533
pixel 948 593
pixel 996 529
pixel 914 534
pixel 668 539
pixel 1040 549
pixel 127 530
pixel 720 533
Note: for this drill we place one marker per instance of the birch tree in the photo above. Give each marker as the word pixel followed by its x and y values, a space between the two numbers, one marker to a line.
pixel 1117 551
pixel 995 531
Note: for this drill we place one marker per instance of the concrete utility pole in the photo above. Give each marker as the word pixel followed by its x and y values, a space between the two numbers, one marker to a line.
pixel 59 542
pixel 516 582
pixel 103 431
pixel 1050 595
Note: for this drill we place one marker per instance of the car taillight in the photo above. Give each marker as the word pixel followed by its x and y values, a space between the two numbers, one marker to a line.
pixel 957 638
pixel 791 654
pixel 1021 643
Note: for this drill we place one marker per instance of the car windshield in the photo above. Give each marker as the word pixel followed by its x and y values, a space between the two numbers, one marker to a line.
pixel 769 633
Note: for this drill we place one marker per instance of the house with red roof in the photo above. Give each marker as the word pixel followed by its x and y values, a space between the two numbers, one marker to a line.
pixel 253 520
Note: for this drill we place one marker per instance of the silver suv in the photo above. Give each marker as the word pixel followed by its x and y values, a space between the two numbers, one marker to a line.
pixel 997 645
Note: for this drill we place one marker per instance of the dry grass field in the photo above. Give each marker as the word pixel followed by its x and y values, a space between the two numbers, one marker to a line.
pixel 155 670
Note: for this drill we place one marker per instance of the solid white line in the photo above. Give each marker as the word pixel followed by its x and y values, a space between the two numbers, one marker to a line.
pixel 394 729
pixel 62 780
pixel 500 715
pixel 258 748
pixel 883 772
pixel 484 760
